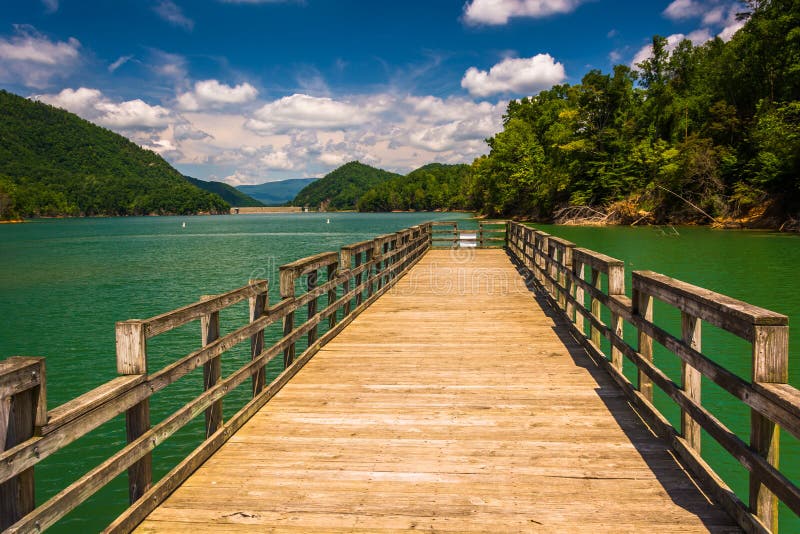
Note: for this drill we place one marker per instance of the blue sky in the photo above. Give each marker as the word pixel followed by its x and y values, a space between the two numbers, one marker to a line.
pixel 249 91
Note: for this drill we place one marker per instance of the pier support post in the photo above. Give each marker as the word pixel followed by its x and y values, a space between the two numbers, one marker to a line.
pixel 132 360
pixel 258 305
pixel 23 408
pixel 770 365
pixel 212 369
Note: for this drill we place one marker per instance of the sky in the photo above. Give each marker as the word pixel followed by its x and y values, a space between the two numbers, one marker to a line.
pixel 251 91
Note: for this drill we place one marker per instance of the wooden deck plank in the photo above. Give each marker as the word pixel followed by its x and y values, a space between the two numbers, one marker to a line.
pixel 454 403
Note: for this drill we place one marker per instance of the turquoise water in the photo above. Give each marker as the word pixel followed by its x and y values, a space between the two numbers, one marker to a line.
pixel 754 266
pixel 64 284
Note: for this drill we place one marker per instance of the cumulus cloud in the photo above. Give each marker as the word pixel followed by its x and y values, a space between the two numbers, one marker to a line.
pixel 301 111
pixel 213 94
pixel 712 13
pixel 497 12
pixel 172 13
pixel 515 75
pixel 33 59
pixel 92 105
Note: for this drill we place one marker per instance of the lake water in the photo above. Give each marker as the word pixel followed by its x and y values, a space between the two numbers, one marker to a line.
pixel 64 284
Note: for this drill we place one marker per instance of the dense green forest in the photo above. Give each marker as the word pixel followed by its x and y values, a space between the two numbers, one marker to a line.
pixel 698 133
pixel 434 186
pixel 340 189
pixel 276 193
pixel 54 163
pixel 226 192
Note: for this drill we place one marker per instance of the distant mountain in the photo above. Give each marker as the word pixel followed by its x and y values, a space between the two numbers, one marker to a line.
pixel 276 193
pixel 229 194
pixel 52 162
pixel 431 187
pixel 340 189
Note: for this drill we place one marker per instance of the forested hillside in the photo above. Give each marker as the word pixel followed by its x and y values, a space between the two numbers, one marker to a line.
pixel 434 186
pixel 340 189
pixel 699 133
pixel 54 163
pixel 276 193
pixel 228 193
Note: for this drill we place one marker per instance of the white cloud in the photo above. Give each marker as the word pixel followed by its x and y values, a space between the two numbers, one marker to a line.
pixel 684 9
pixel 713 13
pixel 92 105
pixel 515 75
pixel 172 13
pixel 168 65
pixel 213 94
pixel 119 62
pixel 51 6
pixel 496 12
pixel 34 59
pixel 697 38
pixel 303 111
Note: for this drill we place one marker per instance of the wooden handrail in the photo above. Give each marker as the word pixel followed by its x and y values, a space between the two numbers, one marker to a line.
pixel 560 270
pixel 385 259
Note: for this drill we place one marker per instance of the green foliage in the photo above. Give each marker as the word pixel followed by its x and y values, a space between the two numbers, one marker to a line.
pixel 226 192
pixel 434 186
pixel 276 193
pixel 55 163
pixel 717 124
pixel 340 189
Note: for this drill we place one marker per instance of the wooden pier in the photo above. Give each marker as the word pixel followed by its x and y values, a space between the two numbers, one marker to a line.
pixel 452 389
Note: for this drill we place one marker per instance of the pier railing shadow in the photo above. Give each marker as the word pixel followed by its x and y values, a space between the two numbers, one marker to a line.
pixel 564 277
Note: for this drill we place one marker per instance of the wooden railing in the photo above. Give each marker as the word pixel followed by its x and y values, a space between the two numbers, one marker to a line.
pixel 489 234
pixel 568 274
pixel 349 282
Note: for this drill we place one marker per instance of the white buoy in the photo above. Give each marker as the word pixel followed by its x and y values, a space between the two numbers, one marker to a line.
pixel 327 221
pixel 183 225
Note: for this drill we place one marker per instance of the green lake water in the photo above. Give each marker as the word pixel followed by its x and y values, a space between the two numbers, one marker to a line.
pixel 64 284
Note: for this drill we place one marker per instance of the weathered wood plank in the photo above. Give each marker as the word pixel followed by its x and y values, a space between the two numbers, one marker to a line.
pixel 362 439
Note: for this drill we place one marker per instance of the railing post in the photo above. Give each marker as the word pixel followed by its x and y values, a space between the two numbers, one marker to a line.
pixel 480 234
pixel 345 261
pixel 643 307
pixel 691 378
pixel 566 280
pixel 369 253
pixel 333 270
pixel 22 410
pixel 311 284
pixel 579 270
pixel 616 286
pixel 360 292
pixel 132 360
pixel 258 305
pixel 287 292
pixel 379 248
pixel 212 369
pixel 595 306
pixel 770 365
